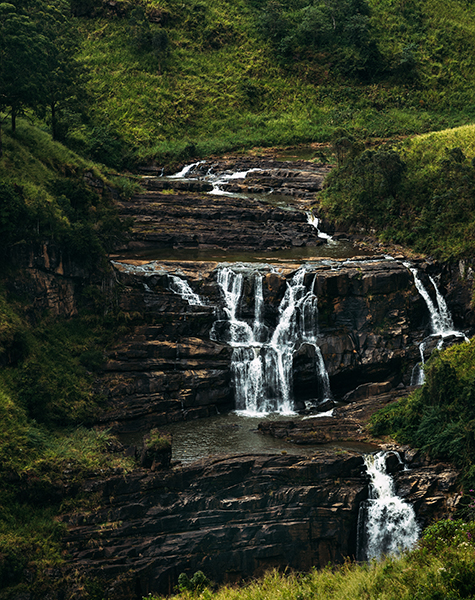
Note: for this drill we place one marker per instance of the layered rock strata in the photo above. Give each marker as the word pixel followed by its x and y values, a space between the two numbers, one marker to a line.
pixel 231 518
pixel 346 423
pixel 181 213
pixel 371 319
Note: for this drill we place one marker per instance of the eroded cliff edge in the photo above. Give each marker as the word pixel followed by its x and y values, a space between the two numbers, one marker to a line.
pixel 235 517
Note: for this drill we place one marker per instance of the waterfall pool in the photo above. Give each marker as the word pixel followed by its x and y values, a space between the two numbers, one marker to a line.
pixel 234 434
pixel 340 249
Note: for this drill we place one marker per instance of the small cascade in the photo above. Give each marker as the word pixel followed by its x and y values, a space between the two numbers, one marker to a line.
pixel 442 324
pixel 315 222
pixel 181 287
pixel 417 377
pixel 441 320
pixel 186 170
pixel 216 180
pixel 262 359
pixel 224 178
pixel 386 524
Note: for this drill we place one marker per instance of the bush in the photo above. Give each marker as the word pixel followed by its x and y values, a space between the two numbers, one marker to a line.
pixel 440 416
pixel 196 584
pixel 14 216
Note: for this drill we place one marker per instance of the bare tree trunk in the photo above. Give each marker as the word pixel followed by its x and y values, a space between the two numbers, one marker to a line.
pixel 13 119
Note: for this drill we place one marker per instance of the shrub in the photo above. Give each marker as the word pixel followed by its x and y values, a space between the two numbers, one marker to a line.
pixel 440 416
pixel 196 584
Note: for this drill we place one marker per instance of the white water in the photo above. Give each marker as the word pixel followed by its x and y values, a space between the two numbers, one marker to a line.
pixel 217 181
pixel 441 320
pixel 262 359
pixel 442 324
pixel 182 288
pixel 187 169
pixel 315 222
pixel 225 178
pixel 386 524
pixel 417 377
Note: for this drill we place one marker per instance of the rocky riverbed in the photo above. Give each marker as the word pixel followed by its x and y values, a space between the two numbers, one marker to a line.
pixel 235 516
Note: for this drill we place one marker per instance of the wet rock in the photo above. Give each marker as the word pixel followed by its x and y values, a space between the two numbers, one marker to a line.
pixel 348 423
pixel 180 213
pixel 371 320
pixel 233 518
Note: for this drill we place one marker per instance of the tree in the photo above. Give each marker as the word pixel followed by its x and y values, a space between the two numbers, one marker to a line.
pixel 23 52
pixel 65 76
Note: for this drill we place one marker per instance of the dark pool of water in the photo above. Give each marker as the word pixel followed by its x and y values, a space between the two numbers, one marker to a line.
pixel 305 254
pixel 232 434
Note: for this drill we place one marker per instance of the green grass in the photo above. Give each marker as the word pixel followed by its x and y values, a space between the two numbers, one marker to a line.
pixel 429 208
pixel 49 365
pixel 30 156
pixel 221 86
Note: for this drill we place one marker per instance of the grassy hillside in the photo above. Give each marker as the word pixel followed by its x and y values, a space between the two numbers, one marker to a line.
pixel 170 81
pixel 419 192
pixel 223 82
pixel 48 365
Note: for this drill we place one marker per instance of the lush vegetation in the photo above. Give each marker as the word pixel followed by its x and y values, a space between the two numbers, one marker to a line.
pixel 131 82
pixel 239 74
pixel 46 448
pixel 439 417
pixel 441 567
pixel 127 82
pixel 48 366
pixel 420 192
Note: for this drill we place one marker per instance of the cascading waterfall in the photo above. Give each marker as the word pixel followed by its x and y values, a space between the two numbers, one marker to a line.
pixel 182 288
pixel 315 222
pixel 262 359
pixel 417 377
pixel 186 169
pixel 386 524
pixel 224 178
pixel 441 322
pixel 217 181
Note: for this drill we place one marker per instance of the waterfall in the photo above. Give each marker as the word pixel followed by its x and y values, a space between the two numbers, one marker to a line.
pixel 440 318
pixel 315 222
pixel 224 178
pixel 441 321
pixel 262 359
pixel 386 524
pixel 182 288
pixel 186 169
pixel 417 377
pixel 216 180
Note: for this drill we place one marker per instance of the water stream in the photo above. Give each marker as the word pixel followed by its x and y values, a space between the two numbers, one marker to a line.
pixel 262 360
pixel 181 287
pixel 386 524
pixel 441 322
pixel 315 222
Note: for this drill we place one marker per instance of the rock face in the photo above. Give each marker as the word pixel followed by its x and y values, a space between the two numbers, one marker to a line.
pixel 347 423
pixel 231 518
pixel 181 213
pixel 371 319
pixel 48 279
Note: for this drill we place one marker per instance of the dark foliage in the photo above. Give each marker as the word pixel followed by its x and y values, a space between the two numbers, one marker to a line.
pixel 341 30
pixel 440 416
